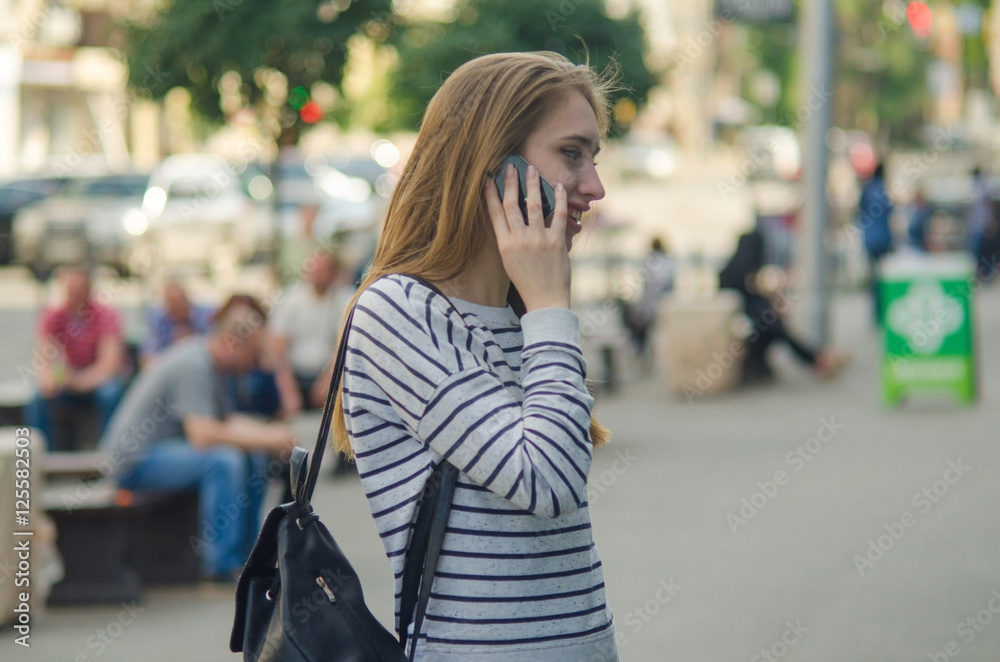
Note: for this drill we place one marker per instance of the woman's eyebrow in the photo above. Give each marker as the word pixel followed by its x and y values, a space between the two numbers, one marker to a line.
pixel 590 143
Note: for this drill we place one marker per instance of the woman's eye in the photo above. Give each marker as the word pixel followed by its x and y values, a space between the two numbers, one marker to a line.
pixel 573 154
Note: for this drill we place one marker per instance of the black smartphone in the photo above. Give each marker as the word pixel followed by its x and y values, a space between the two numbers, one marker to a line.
pixel 548 193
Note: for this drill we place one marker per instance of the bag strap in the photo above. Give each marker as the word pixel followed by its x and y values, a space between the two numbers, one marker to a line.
pixel 425 547
pixel 304 496
pixel 432 518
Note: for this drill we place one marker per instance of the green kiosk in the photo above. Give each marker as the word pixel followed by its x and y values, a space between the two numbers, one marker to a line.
pixel 928 326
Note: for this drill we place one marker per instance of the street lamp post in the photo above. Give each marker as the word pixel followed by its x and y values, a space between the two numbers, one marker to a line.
pixel 817 32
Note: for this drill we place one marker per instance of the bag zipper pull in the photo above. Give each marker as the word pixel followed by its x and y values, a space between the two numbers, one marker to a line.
pixel 326 588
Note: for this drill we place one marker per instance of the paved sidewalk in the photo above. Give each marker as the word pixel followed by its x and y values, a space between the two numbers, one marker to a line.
pixel 795 579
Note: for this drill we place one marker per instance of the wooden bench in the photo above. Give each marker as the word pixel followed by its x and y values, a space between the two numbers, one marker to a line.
pixel 605 347
pixel 114 542
pixel 14 396
pixel 73 425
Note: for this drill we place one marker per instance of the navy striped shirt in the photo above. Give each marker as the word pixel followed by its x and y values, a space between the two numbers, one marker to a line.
pixel 505 401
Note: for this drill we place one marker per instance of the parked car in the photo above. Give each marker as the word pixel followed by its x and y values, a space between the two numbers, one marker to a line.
pixel 295 181
pixel 91 219
pixel 207 212
pixel 349 191
pixel 15 195
pixel 647 155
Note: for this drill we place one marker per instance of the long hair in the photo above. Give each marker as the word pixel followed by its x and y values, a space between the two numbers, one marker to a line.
pixel 437 219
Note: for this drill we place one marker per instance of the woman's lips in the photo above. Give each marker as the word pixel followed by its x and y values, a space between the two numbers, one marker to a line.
pixel 573 220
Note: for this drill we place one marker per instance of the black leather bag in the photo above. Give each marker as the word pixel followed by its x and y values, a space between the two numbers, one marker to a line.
pixel 298 598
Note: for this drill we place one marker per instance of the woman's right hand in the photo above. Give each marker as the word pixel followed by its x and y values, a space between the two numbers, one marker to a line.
pixel 534 256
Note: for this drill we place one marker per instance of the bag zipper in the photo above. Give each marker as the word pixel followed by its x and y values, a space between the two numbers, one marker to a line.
pixel 326 588
pixel 349 614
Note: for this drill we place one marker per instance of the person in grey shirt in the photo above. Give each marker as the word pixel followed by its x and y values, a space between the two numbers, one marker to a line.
pixel 175 430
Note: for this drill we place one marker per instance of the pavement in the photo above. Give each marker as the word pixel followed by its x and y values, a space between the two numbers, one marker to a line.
pixel 866 534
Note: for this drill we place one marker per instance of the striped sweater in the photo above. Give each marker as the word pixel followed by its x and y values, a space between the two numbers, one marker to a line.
pixel 505 401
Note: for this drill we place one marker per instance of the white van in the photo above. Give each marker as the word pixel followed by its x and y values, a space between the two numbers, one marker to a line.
pixel 207 211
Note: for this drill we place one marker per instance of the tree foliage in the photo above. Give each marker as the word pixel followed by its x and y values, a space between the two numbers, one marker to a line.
pixel 194 43
pixel 881 67
pixel 579 29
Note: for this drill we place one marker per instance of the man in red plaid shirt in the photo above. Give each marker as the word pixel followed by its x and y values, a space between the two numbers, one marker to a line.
pixel 80 351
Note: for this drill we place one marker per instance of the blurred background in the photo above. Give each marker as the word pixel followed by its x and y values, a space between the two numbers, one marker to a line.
pixel 215 143
pixel 295 120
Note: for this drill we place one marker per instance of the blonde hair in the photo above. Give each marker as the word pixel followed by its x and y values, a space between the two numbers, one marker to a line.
pixel 437 219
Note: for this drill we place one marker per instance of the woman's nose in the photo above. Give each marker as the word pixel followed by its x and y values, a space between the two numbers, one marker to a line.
pixel 590 184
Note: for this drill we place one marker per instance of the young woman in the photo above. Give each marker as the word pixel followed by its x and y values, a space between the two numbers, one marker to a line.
pixel 496 387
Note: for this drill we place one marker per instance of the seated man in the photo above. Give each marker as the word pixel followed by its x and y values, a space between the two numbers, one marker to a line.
pixel 304 332
pixel 177 319
pixel 80 351
pixel 175 430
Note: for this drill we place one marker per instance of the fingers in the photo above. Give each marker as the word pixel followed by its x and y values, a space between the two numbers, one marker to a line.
pixel 498 216
pixel 511 193
pixel 506 214
pixel 534 194
pixel 561 212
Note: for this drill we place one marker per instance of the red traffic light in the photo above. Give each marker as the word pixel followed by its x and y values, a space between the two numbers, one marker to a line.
pixel 920 18
pixel 311 112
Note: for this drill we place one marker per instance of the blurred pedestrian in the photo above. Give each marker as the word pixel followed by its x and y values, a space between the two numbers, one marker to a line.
pixel 80 350
pixel 981 222
pixel 763 308
pixel 874 212
pixel 660 269
pixel 176 430
pixel 918 226
pixel 177 318
pixel 304 328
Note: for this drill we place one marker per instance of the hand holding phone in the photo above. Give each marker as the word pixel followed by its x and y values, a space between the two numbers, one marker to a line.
pixel 548 193
pixel 535 255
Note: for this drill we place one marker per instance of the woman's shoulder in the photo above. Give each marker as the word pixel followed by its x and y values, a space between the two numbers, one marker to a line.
pixel 398 298
pixel 395 290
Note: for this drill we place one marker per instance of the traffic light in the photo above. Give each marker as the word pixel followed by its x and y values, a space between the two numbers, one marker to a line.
pixel 309 111
pixel 920 18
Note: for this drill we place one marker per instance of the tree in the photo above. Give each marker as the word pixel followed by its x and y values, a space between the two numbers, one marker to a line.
pixel 252 52
pixel 881 66
pixel 579 29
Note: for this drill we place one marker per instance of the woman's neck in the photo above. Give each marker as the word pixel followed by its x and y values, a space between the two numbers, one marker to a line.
pixel 483 281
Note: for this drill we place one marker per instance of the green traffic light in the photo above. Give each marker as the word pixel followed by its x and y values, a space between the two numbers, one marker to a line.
pixel 298 97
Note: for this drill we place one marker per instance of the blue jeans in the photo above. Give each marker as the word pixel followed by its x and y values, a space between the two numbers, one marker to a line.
pixel 104 398
pixel 231 487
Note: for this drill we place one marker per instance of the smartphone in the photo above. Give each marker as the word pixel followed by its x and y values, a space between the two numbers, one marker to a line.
pixel 548 193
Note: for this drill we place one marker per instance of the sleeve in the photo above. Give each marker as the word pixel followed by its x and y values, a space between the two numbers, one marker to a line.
pixel 194 393
pixel 47 324
pixel 109 324
pixel 415 350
